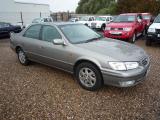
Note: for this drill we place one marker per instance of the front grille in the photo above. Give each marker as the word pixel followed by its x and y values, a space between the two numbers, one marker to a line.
pixel 158 31
pixel 145 62
pixel 116 28
pixel 93 24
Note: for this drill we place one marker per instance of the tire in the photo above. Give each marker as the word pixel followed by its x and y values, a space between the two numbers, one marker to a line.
pixel 89 76
pixel 133 38
pixel 86 24
pixel 148 42
pixel 103 27
pixel 22 57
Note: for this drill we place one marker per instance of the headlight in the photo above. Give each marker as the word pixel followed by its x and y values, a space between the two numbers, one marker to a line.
pixel 152 30
pixel 131 65
pixel 127 29
pixel 108 28
pixel 123 65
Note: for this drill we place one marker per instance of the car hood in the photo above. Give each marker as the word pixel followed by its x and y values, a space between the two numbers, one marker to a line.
pixel 121 25
pixel 155 26
pixel 115 49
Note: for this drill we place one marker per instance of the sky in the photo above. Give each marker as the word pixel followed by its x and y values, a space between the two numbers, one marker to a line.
pixel 57 5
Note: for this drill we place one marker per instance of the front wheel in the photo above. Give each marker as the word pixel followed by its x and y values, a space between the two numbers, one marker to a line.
pixel 88 76
pixel 133 38
pixel 103 27
pixel 22 57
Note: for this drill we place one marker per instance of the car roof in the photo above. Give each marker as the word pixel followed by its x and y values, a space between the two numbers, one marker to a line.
pixel 146 13
pixel 57 23
pixel 130 14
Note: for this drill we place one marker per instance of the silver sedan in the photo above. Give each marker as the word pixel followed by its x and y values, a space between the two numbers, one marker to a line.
pixel 75 48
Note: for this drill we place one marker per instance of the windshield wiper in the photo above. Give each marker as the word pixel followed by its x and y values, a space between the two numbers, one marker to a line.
pixel 93 39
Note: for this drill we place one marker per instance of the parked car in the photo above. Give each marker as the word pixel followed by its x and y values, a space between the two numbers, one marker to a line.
pixel 100 22
pixel 7 28
pixel 126 27
pixel 42 20
pixel 86 20
pixel 74 19
pixel 148 18
pixel 75 48
pixel 153 34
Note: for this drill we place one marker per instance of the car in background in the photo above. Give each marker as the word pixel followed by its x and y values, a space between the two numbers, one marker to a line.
pixel 7 28
pixel 100 22
pixel 153 33
pixel 86 20
pixel 75 19
pixel 126 27
pixel 75 48
pixel 42 20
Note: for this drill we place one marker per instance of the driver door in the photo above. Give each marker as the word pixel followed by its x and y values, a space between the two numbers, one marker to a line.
pixel 54 55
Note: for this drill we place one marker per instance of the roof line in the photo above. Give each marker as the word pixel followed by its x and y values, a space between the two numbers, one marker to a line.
pixel 31 3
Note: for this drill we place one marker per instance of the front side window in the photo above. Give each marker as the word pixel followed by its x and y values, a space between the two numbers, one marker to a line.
pixel 157 19
pixel 50 33
pixel 33 32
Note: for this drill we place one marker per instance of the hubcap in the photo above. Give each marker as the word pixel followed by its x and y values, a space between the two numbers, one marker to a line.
pixel 87 77
pixel 22 57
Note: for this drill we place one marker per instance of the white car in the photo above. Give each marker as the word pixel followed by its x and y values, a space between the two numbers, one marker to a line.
pixel 100 22
pixel 40 20
pixel 86 20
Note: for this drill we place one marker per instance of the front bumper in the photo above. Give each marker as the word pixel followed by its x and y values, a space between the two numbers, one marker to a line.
pixel 125 78
pixel 118 34
pixel 155 37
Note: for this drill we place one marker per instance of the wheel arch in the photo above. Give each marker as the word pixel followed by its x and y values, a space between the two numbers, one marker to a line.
pixel 94 62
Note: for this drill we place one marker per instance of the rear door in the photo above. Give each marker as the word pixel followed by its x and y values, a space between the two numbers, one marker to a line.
pixel 31 42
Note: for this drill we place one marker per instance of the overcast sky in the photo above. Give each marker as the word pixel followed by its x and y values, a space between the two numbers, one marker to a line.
pixel 57 5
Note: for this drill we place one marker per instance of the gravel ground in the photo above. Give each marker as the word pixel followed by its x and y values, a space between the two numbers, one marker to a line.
pixel 40 92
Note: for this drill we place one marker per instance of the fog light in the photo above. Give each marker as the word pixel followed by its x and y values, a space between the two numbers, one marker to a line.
pixel 127 83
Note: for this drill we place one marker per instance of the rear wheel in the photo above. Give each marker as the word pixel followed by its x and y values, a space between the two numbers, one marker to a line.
pixel 22 57
pixel 88 76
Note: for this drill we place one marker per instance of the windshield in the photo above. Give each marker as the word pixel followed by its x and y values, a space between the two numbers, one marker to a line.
pixel 157 19
pixel 146 17
pixel 125 18
pixel 83 18
pixel 77 33
pixel 100 19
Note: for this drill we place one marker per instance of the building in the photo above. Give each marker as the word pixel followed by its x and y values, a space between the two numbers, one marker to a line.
pixel 18 12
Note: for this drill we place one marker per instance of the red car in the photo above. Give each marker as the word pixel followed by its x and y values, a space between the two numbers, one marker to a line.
pixel 126 27
pixel 148 18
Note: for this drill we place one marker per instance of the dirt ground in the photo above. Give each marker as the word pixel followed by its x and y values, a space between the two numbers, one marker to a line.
pixel 40 92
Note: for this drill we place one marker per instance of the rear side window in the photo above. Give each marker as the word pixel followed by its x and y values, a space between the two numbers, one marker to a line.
pixel 50 33
pixel 33 32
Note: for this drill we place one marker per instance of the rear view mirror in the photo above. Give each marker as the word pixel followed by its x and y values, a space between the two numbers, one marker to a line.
pixel 58 42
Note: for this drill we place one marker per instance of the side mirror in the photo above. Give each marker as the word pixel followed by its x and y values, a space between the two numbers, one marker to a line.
pixel 58 42
pixel 139 20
